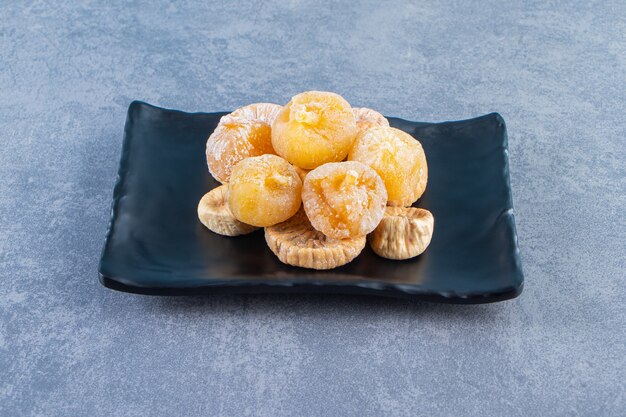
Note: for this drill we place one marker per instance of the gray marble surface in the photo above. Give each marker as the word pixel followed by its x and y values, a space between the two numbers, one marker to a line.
pixel 555 70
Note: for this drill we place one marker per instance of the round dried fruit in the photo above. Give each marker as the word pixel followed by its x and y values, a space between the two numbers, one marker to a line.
pixel 241 134
pixel 344 199
pixel 314 128
pixel 264 190
pixel 398 158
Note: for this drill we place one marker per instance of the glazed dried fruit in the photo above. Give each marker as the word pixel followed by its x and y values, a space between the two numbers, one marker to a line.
pixel 403 233
pixel 296 242
pixel 301 172
pixel 344 199
pixel 368 118
pixel 264 190
pixel 241 134
pixel 214 213
pixel 398 158
pixel 314 128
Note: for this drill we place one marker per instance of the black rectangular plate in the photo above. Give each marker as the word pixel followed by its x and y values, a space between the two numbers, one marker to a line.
pixel 156 245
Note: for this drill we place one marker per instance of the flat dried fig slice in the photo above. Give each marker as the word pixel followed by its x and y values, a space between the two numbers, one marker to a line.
pixel 214 213
pixel 403 233
pixel 295 242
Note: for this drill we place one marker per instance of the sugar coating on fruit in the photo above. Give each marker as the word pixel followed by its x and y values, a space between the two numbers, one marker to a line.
pixel 314 128
pixel 263 112
pixel 368 118
pixel 241 134
pixel 344 199
pixel 264 190
pixel 398 158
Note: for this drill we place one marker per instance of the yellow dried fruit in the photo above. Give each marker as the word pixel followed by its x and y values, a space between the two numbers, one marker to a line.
pixel 214 213
pixel 368 118
pixel 301 172
pixel 344 199
pixel 403 233
pixel 398 158
pixel 314 128
pixel 264 190
pixel 241 134
pixel 296 242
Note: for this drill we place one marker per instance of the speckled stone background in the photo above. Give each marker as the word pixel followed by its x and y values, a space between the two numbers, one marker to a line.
pixel 555 70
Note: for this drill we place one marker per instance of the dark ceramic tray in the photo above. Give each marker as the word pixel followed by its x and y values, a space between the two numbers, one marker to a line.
pixel 156 245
